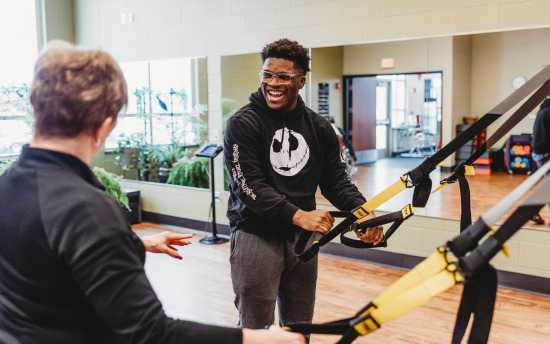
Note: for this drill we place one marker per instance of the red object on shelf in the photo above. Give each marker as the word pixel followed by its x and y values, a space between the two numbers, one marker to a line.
pixel 483 161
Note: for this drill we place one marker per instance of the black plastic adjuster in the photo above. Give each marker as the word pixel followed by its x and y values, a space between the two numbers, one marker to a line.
pixel 480 257
pixel 468 239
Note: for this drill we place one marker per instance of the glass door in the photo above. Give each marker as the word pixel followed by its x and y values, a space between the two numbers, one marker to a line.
pixel 383 117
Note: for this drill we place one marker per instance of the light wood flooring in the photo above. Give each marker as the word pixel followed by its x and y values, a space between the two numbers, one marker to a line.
pixel 199 288
pixel 486 190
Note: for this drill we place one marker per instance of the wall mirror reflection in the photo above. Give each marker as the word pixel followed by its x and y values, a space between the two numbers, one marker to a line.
pixel 391 115
pixel 165 122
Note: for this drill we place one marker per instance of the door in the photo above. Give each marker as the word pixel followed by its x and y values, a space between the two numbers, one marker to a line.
pixel 383 118
pixel 362 114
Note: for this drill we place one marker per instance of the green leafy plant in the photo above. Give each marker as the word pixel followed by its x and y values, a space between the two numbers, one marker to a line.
pixel 190 172
pixel 112 186
pixel 168 155
pixel 5 164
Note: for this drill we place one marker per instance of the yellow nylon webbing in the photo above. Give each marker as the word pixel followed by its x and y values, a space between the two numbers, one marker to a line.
pixel 425 269
pixel 381 198
pixel 416 297
pixel 441 185
pixel 428 279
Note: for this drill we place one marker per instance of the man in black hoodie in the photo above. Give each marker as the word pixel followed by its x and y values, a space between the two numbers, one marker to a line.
pixel 278 152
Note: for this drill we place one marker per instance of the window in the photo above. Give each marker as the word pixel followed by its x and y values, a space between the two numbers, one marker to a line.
pixel 19 42
pixel 165 104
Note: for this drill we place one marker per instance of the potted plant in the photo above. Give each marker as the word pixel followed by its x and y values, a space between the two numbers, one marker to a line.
pixel 149 164
pixel 190 172
pixel 167 155
pixel 129 148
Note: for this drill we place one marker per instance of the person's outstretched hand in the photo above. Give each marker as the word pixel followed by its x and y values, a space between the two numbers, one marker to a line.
pixel 275 335
pixel 318 220
pixel 165 242
pixel 371 234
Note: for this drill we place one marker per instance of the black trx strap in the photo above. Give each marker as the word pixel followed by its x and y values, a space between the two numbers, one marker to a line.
pixel 535 99
pixel 478 297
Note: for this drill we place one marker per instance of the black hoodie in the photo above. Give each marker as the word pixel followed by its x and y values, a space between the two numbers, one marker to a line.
pixel 276 161
pixel 541 129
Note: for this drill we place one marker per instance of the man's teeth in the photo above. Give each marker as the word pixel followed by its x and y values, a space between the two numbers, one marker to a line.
pixel 275 93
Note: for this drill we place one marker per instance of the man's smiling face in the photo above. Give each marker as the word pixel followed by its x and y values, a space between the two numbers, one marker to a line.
pixel 278 96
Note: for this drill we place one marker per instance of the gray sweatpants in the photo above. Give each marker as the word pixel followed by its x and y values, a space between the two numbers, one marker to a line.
pixel 264 270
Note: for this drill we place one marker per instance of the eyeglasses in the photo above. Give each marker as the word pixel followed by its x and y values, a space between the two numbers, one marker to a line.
pixel 283 78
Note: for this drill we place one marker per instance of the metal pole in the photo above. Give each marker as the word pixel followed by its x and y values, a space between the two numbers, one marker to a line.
pixel 214 239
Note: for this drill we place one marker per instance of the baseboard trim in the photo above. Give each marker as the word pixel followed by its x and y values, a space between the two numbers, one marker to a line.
pixel 506 279
pixel 184 222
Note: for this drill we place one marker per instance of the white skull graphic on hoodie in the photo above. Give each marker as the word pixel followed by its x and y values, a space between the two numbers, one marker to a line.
pixel 289 152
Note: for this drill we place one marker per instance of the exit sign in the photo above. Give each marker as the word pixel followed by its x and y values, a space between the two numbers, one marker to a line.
pixel 387 62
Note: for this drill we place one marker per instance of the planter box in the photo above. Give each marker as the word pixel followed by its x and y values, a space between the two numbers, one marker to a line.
pixel 134 201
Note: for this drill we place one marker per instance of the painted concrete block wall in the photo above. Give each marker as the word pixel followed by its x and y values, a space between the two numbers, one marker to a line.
pixel 171 28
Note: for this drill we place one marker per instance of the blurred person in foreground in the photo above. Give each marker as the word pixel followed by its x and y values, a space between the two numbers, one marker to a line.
pixel 71 268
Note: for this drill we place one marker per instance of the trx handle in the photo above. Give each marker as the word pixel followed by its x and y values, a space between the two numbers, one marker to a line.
pixel 306 254
pixel 397 218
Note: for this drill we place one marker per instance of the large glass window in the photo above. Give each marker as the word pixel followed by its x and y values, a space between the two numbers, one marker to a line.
pixel 166 120
pixel 19 50
pixel 164 105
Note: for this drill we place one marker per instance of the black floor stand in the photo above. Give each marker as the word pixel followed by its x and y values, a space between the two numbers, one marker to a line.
pixel 214 239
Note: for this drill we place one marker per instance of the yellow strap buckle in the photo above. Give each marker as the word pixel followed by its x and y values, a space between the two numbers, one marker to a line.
pixel 469 170
pixel 365 323
pixel 505 250
pixel 407 211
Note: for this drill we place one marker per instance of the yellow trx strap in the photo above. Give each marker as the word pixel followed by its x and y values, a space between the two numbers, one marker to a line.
pixel 428 279
pixel 381 198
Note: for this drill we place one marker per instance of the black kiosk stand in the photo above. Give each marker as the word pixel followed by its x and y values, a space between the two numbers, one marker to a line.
pixel 211 150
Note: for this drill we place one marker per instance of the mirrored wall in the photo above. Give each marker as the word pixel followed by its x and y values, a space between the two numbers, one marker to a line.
pixel 463 76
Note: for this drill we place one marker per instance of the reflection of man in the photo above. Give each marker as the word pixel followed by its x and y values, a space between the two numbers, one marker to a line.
pixel 541 141
pixel 343 139
pixel 278 152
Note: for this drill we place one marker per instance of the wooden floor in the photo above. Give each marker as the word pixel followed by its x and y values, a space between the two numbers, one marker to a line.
pixel 486 190
pixel 199 288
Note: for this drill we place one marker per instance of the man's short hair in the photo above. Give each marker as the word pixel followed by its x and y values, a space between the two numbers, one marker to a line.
pixel 288 50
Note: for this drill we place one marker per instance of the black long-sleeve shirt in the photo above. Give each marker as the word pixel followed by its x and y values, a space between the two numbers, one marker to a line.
pixel 71 268
pixel 276 161
pixel 541 129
